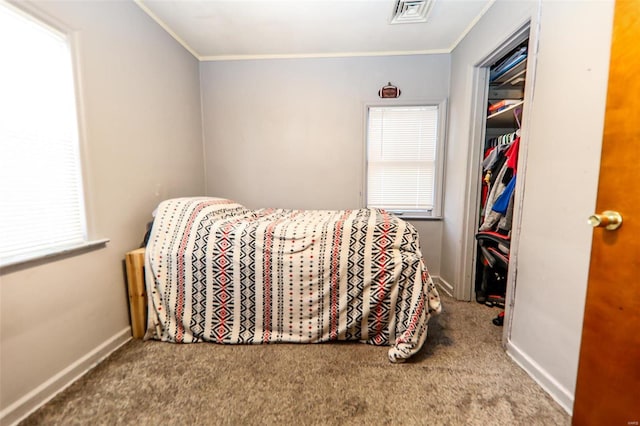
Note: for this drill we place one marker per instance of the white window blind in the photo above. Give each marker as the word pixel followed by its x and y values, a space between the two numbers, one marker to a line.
pixel 42 206
pixel 402 144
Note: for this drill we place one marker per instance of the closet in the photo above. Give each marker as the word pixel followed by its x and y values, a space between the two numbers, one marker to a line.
pixel 498 175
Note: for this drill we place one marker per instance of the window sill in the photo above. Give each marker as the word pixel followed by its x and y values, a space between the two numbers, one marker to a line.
pixel 46 254
pixel 406 215
pixel 428 218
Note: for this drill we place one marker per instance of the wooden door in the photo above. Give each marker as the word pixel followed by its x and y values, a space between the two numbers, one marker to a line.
pixel 608 384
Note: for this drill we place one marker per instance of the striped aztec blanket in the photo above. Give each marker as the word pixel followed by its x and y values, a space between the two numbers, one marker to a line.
pixel 219 272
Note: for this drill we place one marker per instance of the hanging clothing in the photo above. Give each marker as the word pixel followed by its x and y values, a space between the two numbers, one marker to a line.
pixel 504 225
pixel 491 165
pixel 502 185
pixel 502 202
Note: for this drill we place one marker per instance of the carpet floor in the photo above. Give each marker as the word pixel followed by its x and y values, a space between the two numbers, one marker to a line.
pixel 462 376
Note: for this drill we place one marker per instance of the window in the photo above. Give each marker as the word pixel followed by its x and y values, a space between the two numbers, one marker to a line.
pixel 42 205
pixel 404 159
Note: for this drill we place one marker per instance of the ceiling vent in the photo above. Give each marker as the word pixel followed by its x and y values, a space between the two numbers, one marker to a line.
pixel 411 11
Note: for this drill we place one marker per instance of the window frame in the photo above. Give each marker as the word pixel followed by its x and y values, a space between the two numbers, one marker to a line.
pixel 438 190
pixel 32 13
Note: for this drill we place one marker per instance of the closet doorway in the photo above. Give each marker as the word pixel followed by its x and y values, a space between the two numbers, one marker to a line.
pixel 503 84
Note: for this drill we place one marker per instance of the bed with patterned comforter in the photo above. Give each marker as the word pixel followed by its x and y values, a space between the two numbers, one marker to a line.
pixel 219 272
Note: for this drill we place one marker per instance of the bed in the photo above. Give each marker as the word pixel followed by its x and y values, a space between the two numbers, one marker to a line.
pixel 217 271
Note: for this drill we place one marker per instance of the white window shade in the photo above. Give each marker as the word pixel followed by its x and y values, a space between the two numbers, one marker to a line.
pixel 402 169
pixel 41 201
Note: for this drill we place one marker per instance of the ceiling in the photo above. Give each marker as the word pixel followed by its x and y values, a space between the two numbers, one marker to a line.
pixel 253 29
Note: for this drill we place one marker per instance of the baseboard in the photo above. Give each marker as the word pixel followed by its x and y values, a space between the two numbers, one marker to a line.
pixel 443 285
pixel 558 392
pixel 56 384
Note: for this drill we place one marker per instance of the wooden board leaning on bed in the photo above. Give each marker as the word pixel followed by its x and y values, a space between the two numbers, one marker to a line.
pixel 134 261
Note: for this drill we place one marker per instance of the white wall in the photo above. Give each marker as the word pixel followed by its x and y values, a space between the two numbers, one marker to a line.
pixel 564 138
pixel 290 133
pixel 561 185
pixel 143 143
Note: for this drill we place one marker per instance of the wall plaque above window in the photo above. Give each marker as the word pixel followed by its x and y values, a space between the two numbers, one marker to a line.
pixel 389 91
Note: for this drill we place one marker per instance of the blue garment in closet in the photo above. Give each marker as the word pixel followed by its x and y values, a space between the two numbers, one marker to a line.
pixel 502 202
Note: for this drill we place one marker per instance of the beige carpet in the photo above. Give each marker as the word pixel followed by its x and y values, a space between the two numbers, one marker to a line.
pixel 461 377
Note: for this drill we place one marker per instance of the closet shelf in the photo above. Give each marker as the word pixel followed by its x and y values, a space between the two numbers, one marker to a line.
pixel 504 118
pixel 515 77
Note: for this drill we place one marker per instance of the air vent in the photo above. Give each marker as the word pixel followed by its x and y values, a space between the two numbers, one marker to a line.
pixel 411 11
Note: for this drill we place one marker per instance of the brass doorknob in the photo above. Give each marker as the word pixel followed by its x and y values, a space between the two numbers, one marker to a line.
pixel 608 219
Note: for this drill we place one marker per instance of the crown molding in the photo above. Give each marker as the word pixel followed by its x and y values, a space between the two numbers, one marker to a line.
pixel 250 57
pixel 471 25
pixel 167 28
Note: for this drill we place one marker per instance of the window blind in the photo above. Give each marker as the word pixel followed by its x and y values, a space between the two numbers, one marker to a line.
pixel 401 157
pixel 42 206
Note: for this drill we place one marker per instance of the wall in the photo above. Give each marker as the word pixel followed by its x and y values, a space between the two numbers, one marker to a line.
pixel 290 133
pixel 561 181
pixel 563 140
pixel 141 98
